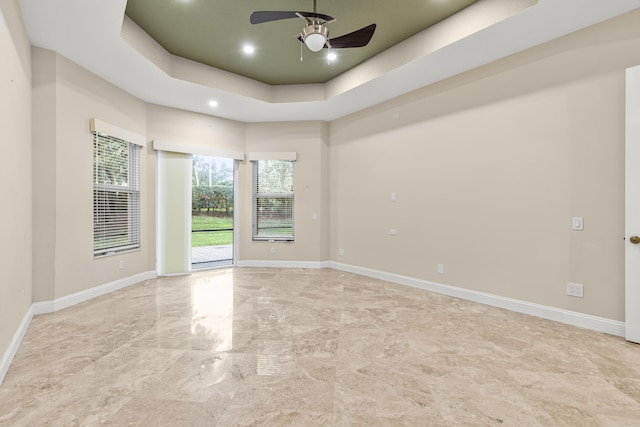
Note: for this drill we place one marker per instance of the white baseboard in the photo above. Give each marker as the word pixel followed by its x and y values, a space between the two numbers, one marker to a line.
pixel 599 324
pixel 11 351
pixel 283 264
pixel 82 296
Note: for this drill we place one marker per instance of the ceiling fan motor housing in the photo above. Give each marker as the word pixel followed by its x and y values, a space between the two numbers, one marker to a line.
pixel 315 36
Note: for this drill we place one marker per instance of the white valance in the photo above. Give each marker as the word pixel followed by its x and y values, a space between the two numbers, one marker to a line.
pixel 117 132
pixel 273 155
pixel 177 147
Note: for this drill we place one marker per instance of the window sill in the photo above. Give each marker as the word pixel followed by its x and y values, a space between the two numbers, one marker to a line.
pixel 110 254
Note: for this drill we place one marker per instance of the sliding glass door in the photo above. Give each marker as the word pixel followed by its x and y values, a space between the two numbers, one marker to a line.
pixel 212 209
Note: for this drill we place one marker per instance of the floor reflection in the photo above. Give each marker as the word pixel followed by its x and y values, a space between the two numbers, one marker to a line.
pixel 212 309
pixel 275 358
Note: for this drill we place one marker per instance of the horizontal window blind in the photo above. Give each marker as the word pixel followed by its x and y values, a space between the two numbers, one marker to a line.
pixel 273 199
pixel 116 195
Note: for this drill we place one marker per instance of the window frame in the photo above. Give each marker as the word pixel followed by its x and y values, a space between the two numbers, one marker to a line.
pixel 112 193
pixel 256 196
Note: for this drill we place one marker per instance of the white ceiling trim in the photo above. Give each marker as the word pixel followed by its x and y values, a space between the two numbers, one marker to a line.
pixel 88 32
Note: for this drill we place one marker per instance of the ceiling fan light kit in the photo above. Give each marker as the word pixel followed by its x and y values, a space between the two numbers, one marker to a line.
pixel 315 36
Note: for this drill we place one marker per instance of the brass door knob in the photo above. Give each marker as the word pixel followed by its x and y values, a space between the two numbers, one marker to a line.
pixel 634 239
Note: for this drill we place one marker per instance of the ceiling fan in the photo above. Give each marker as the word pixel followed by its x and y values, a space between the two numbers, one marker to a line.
pixel 315 35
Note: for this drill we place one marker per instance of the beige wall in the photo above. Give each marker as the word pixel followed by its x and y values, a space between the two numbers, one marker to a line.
pixel 308 140
pixel 44 173
pixel 67 97
pixel 489 167
pixel 192 128
pixel 15 173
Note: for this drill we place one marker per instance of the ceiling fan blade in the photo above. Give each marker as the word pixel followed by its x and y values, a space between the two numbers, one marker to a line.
pixel 324 17
pixel 271 15
pixel 276 15
pixel 358 38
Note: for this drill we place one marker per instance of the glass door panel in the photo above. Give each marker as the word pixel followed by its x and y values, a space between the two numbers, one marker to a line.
pixel 211 212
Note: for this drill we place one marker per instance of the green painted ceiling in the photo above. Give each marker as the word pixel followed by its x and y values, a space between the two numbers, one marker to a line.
pixel 213 32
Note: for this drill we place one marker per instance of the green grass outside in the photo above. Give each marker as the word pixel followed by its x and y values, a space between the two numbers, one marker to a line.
pixel 211 239
pixel 206 222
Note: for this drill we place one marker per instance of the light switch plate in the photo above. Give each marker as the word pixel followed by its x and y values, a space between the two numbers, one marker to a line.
pixel 577 223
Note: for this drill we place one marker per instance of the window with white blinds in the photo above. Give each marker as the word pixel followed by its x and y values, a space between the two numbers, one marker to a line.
pixel 273 200
pixel 116 195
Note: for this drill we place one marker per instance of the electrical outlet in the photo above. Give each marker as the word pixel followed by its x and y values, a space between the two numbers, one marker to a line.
pixel 440 268
pixel 575 290
pixel 273 249
pixel 340 252
pixel 121 264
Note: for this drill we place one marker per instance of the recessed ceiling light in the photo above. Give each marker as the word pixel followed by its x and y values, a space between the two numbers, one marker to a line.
pixel 248 49
pixel 331 56
pixel 213 104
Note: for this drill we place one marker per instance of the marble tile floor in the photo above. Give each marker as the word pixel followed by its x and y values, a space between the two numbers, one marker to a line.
pixel 281 347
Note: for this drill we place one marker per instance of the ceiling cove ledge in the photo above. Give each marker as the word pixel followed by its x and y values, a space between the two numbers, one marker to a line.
pixel 464 24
